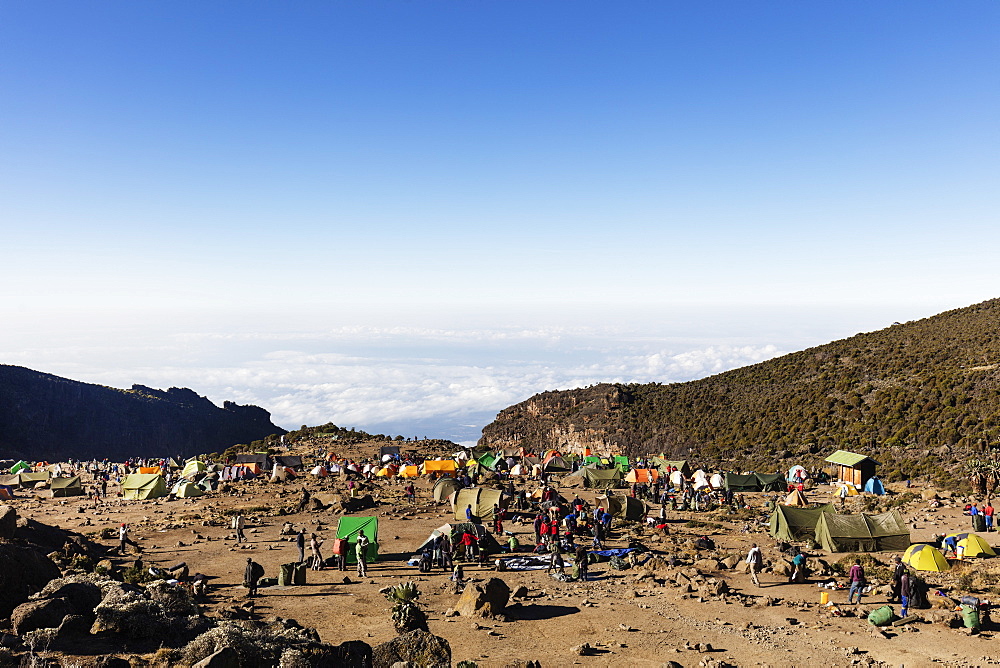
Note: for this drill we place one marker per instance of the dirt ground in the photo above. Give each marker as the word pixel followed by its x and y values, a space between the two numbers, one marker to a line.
pixel 628 622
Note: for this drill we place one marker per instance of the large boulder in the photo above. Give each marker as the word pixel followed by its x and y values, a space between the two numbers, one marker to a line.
pixel 34 615
pixel 8 522
pixel 486 600
pixel 418 648
pixel 80 591
pixel 23 572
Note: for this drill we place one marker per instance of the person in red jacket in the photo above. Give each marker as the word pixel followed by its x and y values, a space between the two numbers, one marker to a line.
pixel 468 541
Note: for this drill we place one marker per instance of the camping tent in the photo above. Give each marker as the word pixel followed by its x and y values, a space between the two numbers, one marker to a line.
pixel 591 460
pixel 487 460
pixel 185 489
pixel 29 479
pixel 601 478
pixel 679 464
pixel 482 500
pixel 642 475
pixel 289 461
pixel 66 486
pixel 455 531
pixel 754 482
pixel 391 450
pixel 789 523
pixel 20 466
pixel 556 464
pixel 408 472
pixel 797 474
pixel 796 498
pixel 874 486
pixel 349 527
pixel 192 468
pixel 973 545
pixel 862 533
pixel 154 470
pixel 319 471
pixel 143 486
pixel 924 557
pixel 258 458
pixel 444 488
pixel 622 507
pixel 441 467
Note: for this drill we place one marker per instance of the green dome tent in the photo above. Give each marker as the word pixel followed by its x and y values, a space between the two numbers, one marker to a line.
pixel 185 489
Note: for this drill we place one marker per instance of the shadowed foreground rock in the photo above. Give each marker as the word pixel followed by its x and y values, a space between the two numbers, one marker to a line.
pixel 23 572
pixel 419 648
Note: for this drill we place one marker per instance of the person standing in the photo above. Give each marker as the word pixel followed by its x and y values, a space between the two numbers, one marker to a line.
pixel 582 563
pixel 539 520
pixel 124 540
pixel 798 568
pixel 251 575
pixel 904 593
pixel 856 576
pixel 755 562
pixel 555 560
pixel 468 513
pixel 898 570
pixel 300 542
pixel 240 523
pixel 317 558
pixel 973 512
pixel 362 554
pixel 988 514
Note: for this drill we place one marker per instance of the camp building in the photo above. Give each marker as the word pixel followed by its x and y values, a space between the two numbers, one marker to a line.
pixel 852 467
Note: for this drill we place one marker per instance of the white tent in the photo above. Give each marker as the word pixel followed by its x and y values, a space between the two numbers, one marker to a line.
pixel 676 478
pixel 517 469
pixel 796 474
pixel 460 456
pixel 700 479
pixel 319 472
pixel 386 458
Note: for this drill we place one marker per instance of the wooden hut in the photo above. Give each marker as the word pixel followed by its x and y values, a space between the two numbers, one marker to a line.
pixel 852 467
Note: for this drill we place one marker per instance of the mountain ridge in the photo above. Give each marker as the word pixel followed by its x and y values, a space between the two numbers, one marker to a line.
pixel 924 395
pixel 48 417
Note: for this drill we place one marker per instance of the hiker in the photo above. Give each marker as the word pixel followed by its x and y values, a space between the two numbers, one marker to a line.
pixel 426 561
pixel 856 576
pixel 497 520
pixel 513 543
pixel 950 544
pixel 755 561
pixel 124 540
pixel 411 492
pixel 340 548
pixel 582 563
pixel 300 542
pixel 898 569
pixel 539 521
pixel 199 585
pixel 973 511
pixel 362 552
pixel 468 513
pixel 251 575
pixel 904 593
pixel 239 522
pixel 842 494
pixel 798 568
pixel 555 560
pixel 988 514
pixel 317 558
pixel 468 542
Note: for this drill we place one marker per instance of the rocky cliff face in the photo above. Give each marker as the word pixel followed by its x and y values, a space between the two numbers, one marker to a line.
pixel 45 417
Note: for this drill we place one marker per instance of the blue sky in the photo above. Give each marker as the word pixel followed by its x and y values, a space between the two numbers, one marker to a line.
pixel 361 187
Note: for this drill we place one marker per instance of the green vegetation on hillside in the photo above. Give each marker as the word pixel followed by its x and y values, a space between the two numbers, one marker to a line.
pixel 920 397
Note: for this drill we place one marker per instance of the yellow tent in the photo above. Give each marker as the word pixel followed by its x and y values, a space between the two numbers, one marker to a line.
pixel 924 557
pixel 438 466
pixel 408 472
pixel 795 498
pixel 193 467
pixel 385 472
pixel 973 545
pixel 851 490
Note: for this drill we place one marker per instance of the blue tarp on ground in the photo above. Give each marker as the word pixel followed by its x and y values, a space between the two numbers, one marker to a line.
pixel 617 552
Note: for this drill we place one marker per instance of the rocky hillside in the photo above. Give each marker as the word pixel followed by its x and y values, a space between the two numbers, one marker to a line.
pixel 921 397
pixel 45 417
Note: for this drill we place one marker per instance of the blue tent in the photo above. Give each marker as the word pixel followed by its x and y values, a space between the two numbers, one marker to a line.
pixel 874 486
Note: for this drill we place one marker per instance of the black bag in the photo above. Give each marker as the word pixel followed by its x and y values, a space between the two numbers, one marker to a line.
pixel 918 593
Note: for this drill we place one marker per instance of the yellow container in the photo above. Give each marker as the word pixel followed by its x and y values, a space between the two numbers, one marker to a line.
pixel 824 597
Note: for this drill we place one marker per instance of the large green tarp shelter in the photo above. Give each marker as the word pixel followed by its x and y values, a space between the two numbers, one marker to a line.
pixel 755 482
pixel 29 478
pixel 601 478
pixel 790 523
pixel 623 507
pixel 679 464
pixel 591 460
pixel 20 466
pixel 348 529
pixel 66 486
pixel 139 486
pixel 862 533
pixel 621 461
pixel 482 500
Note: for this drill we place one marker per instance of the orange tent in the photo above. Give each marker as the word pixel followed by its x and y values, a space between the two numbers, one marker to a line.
pixel 151 470
pixel 408 472
pixel 442 466
pixel 642 475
